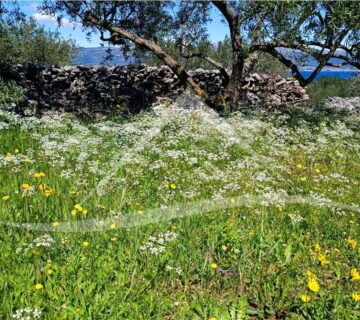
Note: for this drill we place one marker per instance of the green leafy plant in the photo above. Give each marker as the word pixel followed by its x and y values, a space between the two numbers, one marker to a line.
pixel 10 94
pixel 26 42
pixel 333 87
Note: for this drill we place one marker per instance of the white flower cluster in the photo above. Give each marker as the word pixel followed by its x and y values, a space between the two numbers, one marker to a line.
pixel 27 314
pixel 28 192
pixel 156 245
pixel 4 125
pixel 26 247
pixel 176 269
pixel 272 198
pixel 44 241
pixel 295 218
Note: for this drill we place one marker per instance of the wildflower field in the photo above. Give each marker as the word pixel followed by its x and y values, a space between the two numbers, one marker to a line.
pixel 180 214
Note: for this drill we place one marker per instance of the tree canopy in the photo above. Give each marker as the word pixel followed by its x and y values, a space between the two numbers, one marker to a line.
pixel 25 41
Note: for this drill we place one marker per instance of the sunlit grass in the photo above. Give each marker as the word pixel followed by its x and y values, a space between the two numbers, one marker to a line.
pixel 236 263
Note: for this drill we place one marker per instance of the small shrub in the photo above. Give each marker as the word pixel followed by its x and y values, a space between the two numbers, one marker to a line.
pixel 10 95
pixel 333 87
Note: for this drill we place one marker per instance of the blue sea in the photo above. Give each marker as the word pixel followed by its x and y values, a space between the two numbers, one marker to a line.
pixel 338 74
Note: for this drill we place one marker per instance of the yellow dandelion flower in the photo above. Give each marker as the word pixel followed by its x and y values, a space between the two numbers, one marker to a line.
pixel 224 248
pixel 311 275
pixel 317 247
pixel 323 260
pixel 166 186
pixel 5 198
pixel 38 175
pixel 86 244
pixel 25 186
pixel 352 243
pixel 213 318
pixel 355 275
pixel 39 286
pixel 78 207
pixel 17 150
pixel 73 212
pixel 355 296
pixel 50 272
pixel 84 211
pixel 213 265
pixel 313 285
pixel 305 298
pixel 317 170
pixel 173 186
pixel 299 166
pixel 48 192
pixel 303 179
pixel 112 226
pixel 55 223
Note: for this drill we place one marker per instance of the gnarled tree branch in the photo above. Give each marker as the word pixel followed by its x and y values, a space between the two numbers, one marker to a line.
pixel 212 61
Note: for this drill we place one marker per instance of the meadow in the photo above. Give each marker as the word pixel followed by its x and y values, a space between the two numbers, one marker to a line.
pixel 178 213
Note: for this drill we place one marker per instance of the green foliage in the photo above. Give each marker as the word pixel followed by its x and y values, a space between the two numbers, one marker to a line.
pixel 269 65
pixel 243 260
pixel 333 87
pixel 10 94
pixel 220 52
pixel 27 42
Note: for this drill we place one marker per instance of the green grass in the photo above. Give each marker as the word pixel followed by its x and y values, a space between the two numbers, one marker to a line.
pixel 245 261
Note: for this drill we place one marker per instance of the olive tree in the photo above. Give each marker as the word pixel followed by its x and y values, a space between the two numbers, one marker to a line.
pixel 322 29
pixel 26 41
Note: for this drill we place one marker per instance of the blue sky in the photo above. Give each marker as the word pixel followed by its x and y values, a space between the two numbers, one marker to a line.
pixel 217 29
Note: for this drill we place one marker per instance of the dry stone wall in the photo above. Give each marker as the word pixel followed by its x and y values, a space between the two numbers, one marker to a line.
pixel 84 89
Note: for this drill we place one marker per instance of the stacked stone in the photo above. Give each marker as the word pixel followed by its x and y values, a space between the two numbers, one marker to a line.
pixel 89 89
pixel 273 91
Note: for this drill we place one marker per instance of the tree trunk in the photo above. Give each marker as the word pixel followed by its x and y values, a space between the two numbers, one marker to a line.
pixel 233 93
pixel 249 63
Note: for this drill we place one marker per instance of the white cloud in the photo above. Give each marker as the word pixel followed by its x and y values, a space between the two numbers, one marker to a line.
pixel 45 18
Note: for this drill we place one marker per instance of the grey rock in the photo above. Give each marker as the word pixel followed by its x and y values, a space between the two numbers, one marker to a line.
pixel 67 68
